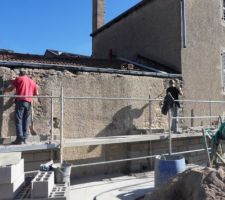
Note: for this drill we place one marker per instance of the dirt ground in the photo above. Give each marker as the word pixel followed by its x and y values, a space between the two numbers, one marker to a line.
pixel 193 184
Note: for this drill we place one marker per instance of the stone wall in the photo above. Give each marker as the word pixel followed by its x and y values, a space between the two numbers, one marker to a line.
pixel 130 150
pixel 89 118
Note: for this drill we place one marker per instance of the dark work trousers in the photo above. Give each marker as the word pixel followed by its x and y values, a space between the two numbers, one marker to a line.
pixel 22 119
pixel 175 121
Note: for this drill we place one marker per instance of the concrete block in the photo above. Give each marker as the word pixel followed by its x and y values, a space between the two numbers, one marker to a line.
pixel 59 192
pixel 9 190
pixel 42 184
pixel 9 173
pixel 9 158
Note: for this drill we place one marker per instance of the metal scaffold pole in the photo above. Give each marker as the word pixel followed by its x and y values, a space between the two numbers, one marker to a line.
pixel 170 133
pixel 150 114
pixel 52 111
pixel 61 126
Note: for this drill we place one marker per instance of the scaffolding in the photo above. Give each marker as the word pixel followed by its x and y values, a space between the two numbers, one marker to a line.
pixel 63 142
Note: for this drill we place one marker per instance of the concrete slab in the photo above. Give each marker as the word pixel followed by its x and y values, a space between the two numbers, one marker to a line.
pixel 121 187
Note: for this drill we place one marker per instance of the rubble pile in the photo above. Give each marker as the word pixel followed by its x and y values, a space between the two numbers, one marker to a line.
pixel 193 184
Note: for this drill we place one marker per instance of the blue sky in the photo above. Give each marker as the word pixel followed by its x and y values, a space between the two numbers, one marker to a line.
pixel 32 26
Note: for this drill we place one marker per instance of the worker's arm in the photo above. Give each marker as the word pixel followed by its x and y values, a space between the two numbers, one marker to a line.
pixel 35 90
pixel 180 91
pixel 9 89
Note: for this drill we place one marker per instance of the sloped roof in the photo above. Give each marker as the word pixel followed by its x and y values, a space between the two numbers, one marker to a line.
pixel 60 60
pixel 86 64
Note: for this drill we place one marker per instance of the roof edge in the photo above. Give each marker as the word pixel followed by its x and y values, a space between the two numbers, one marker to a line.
pixel 15 64
pixel 121 16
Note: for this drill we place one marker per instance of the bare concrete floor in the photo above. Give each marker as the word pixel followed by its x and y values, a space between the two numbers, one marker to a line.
pixel 113 187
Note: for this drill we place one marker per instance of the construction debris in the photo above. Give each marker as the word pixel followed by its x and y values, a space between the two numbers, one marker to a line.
pixel 41 185
pixel 193 184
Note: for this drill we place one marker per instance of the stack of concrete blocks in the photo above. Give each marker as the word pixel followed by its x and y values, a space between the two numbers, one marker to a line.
pixel 11 175
pixel 43 187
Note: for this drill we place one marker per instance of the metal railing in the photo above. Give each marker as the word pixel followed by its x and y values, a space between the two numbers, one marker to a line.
pixel 63 98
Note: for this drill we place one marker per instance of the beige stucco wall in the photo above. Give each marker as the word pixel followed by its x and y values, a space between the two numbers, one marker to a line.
pixel 153 31
pixel 201 60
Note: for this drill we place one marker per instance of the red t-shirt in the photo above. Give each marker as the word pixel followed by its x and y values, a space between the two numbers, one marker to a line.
pixel 26 87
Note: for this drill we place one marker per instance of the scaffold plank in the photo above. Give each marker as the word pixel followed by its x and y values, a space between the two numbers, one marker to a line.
pixel 69 142
pixel 28 147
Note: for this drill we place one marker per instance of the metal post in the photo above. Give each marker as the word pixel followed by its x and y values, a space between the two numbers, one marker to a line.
pixel 209 163
pixel 52 110
pixel 210 113
pixel 150 115
pixel 61 126
pixel 51 136
pixel 170 133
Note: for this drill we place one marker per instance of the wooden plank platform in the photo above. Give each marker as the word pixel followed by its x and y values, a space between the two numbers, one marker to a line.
pixel 71 142
pixel 28 147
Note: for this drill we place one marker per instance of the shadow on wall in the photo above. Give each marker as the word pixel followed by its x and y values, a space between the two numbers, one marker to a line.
pixel 122 123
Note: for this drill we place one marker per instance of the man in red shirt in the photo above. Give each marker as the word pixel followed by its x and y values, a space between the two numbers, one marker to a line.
pixel 24 86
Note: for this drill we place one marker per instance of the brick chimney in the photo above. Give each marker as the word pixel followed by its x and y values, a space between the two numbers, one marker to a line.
pixel 98 18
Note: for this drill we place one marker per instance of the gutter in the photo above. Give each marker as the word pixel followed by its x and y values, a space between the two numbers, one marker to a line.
pixel 183 25
pixel 73 68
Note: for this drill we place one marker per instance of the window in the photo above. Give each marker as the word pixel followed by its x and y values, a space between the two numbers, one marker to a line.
pixel 223 71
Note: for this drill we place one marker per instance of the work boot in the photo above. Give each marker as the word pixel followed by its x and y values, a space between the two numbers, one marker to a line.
pixel 24 141
pixel 17 142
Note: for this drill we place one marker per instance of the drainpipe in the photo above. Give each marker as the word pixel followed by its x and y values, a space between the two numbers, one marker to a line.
pixel 183 25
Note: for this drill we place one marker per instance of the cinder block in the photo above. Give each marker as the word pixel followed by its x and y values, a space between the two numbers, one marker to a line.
pixel 59 192
pixel 9 173
pixel 9 190
pixel 42 184
pixel 9 158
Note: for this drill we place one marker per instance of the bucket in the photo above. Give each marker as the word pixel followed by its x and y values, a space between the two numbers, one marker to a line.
pixel 167 167
pixel 62 172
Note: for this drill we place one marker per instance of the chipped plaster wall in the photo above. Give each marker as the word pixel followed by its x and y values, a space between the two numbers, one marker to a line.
pixel 202 60
pixel 90 118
